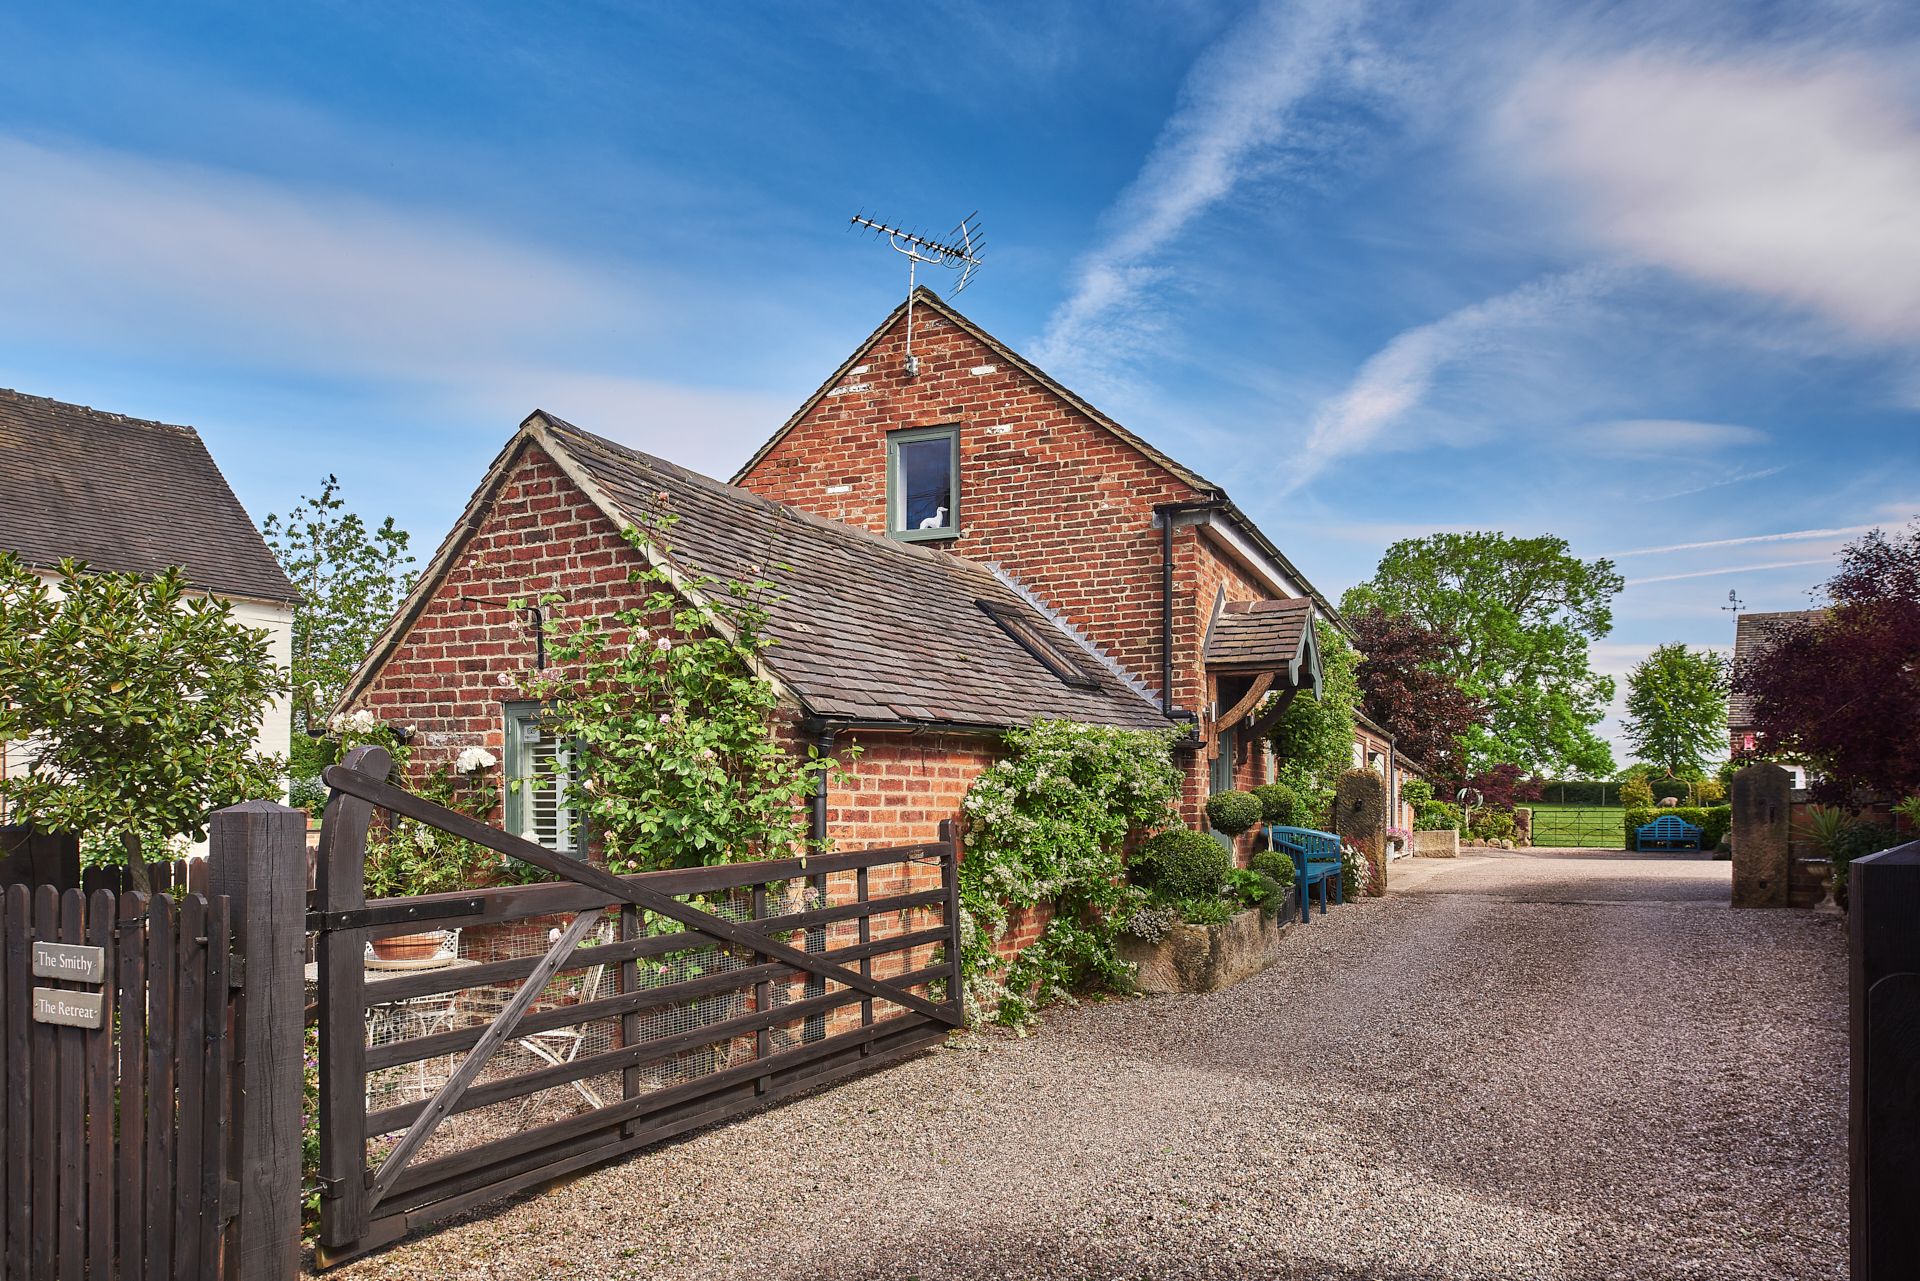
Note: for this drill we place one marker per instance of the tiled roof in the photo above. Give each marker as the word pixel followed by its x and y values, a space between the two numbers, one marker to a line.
pixel 125 494
pixel 1259 634
pixel 866 629
pixel 1753 633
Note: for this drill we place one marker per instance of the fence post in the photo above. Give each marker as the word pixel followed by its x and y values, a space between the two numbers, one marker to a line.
pixel 258 855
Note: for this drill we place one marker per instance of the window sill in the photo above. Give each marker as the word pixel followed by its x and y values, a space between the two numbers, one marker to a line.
pixel 924 535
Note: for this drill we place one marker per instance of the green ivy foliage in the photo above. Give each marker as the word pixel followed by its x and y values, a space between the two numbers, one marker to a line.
pixel 141 701
pixel 1051 823
pixel 1314 740
pixel 673 724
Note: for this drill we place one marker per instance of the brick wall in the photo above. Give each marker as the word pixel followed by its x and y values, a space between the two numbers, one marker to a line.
pixel 1047 494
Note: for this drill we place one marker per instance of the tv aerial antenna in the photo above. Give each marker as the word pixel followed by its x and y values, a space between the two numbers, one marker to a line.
pixel 1734 604
pixel 960 252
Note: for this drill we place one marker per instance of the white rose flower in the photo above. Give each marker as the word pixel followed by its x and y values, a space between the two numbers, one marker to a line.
pixel 475 758
pixel 663 644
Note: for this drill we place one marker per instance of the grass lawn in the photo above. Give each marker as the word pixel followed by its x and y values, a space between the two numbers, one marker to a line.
pixel 1585 826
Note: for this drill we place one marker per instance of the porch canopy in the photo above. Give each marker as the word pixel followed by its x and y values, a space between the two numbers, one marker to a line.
pixel 1256 647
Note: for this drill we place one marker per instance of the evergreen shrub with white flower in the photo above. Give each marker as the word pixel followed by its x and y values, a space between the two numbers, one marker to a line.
pixel 1050 823
pixel 672 725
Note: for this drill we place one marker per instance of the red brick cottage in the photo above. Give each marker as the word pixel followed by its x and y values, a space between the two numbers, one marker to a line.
pixel 976 451
pixel 923 658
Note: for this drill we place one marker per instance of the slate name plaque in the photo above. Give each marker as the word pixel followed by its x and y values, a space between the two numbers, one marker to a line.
pixel 74 962
pixel 68 1009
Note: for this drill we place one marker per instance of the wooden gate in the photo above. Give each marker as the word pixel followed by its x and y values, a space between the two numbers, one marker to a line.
pixel 116 1134
pixel 565 1023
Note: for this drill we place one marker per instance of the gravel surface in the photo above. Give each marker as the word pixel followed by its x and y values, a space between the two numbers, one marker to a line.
pixel 1538 1064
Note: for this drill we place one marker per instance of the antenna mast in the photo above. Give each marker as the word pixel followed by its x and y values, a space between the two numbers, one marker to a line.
pixel 960 252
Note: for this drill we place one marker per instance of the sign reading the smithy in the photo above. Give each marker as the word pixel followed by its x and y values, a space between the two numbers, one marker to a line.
pixel 72 962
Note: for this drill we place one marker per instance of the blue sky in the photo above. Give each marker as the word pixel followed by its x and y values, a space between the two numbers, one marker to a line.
pixel 1646 279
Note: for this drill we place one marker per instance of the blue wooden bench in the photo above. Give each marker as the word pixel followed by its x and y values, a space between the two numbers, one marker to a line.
pixel 1668 832
pixel 1316 861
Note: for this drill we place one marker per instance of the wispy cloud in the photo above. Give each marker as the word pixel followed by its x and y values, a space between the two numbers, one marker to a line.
pixel 1793 176
pixel 1398 378
pixel 1235 105
pixel 1736 479
pixel 189 263
pixel 1788 536
pixel 1728 569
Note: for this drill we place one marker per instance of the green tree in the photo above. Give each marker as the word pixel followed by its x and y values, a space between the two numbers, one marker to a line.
pixel 1524 610
pixel 1677 709
pixel 351 579
pixel 1314 739
pixel 139 704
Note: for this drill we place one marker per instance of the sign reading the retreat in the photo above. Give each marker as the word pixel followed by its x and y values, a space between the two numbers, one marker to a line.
pixel 68 1009
pixel 74 962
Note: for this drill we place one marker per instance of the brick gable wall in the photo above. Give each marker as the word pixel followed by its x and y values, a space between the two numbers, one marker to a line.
pixel 1052 497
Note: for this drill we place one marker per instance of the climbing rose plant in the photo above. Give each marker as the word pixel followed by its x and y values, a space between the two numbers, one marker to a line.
pixel 672 724
pixel 1050 823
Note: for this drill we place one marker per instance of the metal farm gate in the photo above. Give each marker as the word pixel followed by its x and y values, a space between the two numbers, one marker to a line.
pixel 558 1025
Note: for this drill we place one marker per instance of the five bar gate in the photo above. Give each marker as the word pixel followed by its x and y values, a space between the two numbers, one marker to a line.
pixel 568 1022
pixel 115 1120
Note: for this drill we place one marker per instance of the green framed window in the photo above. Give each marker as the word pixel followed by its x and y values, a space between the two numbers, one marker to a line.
pixel 923 483
pixel 540 782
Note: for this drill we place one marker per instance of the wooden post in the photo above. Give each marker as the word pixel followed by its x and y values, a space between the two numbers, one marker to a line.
pixel 259 862
pixel 342 876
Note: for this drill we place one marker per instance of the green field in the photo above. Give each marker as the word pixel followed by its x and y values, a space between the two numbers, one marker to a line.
pixel 1583 826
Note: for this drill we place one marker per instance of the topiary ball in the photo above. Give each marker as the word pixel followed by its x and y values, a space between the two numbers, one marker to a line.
pixel 1275 865
pixel 1279 804
pixel 1233 812
pixel 1181 864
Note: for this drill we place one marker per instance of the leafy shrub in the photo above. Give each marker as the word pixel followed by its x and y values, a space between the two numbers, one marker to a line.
pixel 1636 793
pixel 1257 889
pixel 1233 812
pixel 1280 804
pixel 1709 791
pixel 1436 816
pixel 1356 874
pixel 1204 910
pixel 1151 922
pixel 1416 792
pixel 1181 864
pixel 1491 825
pixel 1714 821
pixel 1273 864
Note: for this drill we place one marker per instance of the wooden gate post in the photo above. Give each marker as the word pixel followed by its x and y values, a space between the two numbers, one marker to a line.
pixel 258 860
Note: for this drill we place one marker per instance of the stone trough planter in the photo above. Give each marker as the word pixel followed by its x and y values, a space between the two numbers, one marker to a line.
pixel 1206 958
pixel 1444 843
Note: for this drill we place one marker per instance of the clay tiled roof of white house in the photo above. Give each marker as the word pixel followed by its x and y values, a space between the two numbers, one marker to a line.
pixel 867 630
pixel 126 495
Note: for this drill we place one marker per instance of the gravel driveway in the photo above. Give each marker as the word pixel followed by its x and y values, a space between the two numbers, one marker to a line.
pixel 1539 1064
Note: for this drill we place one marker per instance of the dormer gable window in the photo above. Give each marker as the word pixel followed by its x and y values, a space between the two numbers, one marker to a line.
pixel 923 483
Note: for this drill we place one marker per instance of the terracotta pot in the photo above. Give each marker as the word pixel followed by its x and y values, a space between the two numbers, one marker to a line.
pixel 408 947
